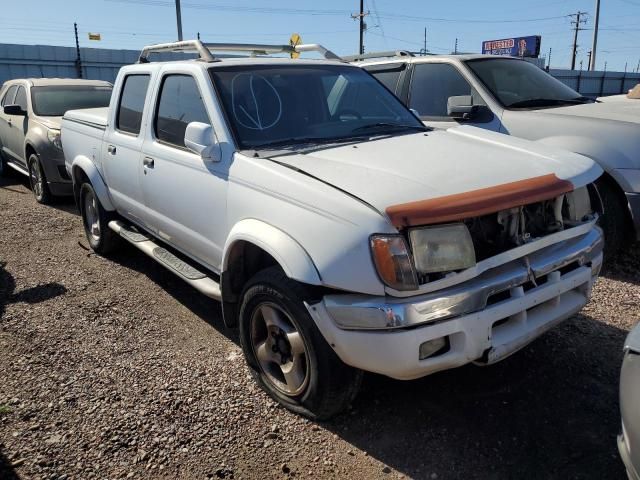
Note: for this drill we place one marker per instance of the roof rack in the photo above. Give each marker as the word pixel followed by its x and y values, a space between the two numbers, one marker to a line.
pixel 366 56
pixel 205 55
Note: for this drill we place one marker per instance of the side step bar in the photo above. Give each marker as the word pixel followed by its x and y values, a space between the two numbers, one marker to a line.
pixel 190 274
pixel 17 168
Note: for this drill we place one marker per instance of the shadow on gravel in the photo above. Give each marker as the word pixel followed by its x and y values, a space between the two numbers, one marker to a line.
pixel 204 307
pixel 6 470
pixel 36 294
pixel 549 411
pixel 16 183
pixel 625 267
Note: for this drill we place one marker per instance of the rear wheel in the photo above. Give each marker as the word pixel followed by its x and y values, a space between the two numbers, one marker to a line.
pixel 287 354
pixel 38 181
pixel 96 219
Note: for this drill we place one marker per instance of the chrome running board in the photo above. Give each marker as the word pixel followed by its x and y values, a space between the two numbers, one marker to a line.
pixel 187 272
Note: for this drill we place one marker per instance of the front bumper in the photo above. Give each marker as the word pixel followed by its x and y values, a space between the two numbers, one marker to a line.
pixel 633 199
pixel 501 311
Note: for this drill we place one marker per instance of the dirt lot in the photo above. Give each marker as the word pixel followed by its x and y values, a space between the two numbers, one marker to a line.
pixel 116 369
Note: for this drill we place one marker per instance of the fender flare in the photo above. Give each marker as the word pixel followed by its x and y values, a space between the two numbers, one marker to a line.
pixel 97 182
pixel 292 257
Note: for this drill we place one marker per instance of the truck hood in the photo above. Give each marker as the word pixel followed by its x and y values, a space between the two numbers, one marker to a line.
pixel 607 132
pixel 616 111
pixel 50 122
pixel 412 168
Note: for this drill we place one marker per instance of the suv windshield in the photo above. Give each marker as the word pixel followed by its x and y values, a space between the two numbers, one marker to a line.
pixel 520 84
pixel 53 101
pixel 280 105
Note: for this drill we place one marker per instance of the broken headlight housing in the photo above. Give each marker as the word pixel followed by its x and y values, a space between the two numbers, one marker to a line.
pixel 443 248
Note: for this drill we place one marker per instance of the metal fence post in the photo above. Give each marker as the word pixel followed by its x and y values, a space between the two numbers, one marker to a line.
pixel 604 74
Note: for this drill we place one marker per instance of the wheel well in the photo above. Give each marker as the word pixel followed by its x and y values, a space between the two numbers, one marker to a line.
pixel 617 189
pixel 245 260
pixel 79 177
pixel 28 151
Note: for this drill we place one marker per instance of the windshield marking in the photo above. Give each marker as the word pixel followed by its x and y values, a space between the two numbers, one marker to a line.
pixel 257 121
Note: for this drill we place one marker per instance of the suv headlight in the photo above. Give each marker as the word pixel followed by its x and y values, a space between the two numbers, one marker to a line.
pixel 54 137
pixel 442 249
pixel 393 262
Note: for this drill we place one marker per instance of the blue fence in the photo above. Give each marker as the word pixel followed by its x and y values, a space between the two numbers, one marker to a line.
pixel 24 61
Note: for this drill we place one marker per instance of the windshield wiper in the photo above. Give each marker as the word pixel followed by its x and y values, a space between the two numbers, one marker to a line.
pixel 292 142
pixel 395 126
pixel 549 102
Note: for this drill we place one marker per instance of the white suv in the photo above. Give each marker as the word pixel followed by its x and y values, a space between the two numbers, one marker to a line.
pixel 339 233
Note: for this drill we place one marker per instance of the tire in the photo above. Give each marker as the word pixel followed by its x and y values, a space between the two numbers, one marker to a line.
pixel 615 221
pixel 38 181
pixel 5 170
pixel 274 324
pixel 96 219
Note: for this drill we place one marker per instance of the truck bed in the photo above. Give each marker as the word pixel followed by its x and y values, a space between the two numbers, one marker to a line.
pixel 82 134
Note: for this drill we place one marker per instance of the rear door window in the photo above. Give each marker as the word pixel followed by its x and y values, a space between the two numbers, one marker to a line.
pixel 131 104
pixel 9 96
pixel 180 103
pixel 386 75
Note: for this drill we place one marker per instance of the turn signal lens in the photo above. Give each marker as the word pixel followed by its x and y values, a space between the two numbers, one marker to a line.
pixel 393 262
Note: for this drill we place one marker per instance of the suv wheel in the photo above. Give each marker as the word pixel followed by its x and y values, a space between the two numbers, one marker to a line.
pixel 38 181
pixel 96 219
pixel 615 222
pixel 287 354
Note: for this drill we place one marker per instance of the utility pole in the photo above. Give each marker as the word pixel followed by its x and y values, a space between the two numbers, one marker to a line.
pixel 78 61
pixel 198 35
pixel 363 26
pixel 638 67
pixel 592 65
pixel 549 60
pixel 455 49
pixel 179 20
pixel 424 47
pixel 589 53
pixel 577 22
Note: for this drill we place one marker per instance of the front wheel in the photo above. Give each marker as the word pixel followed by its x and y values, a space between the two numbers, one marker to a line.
pixel 615 222
pixel 288 356
pixel 96 219
pixel 38 181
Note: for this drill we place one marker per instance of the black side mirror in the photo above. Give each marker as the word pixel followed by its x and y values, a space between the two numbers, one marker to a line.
pixel 461 107
pixel 14 110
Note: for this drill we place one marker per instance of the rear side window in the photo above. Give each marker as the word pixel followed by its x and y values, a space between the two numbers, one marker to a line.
pixel 180 103
pixel 387 76
pixel 131 105
pixel 432 85
pixel 21 98
pixel 9 96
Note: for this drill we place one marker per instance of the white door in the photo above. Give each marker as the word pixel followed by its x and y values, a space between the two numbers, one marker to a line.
pixel 122 148
pixel 431 86
pixel 185 196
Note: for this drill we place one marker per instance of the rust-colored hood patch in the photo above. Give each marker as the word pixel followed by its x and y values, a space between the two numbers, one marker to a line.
pixel 479 202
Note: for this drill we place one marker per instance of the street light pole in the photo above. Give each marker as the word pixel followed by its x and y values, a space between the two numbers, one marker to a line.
pixel 592 65
pixel 179 20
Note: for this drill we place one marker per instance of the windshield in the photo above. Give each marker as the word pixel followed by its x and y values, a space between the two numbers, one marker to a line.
pixel 520 84
pixel 278 105
pixel 53 101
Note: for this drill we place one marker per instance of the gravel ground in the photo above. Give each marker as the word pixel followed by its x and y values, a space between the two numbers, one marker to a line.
pixel 116 369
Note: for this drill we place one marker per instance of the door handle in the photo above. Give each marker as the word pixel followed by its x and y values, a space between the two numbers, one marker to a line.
pixel 111 149
pixel 148 162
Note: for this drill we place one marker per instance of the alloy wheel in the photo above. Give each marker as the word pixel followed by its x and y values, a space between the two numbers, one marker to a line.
pixel 35 176
pixel 280 349
pixel 92 220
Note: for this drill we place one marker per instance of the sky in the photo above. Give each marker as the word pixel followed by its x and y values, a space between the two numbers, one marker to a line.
pixel 391 25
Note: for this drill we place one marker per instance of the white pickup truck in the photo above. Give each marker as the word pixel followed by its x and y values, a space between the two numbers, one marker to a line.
pixel 339 233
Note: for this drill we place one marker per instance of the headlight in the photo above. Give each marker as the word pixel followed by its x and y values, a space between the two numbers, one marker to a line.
pixel 442 249
pixel 393 262
pixel 54 137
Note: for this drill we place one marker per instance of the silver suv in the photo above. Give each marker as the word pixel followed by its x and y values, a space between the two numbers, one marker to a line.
pixel 30 115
